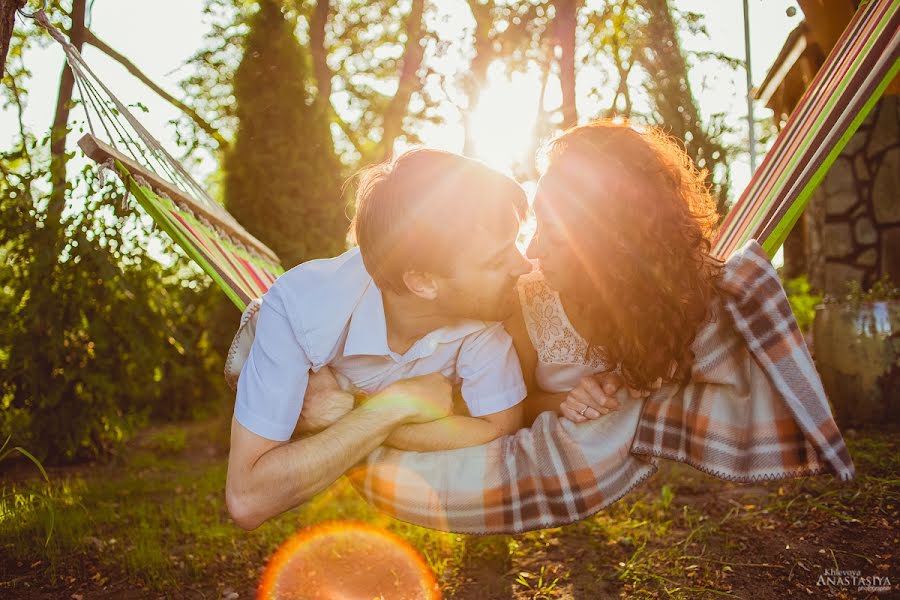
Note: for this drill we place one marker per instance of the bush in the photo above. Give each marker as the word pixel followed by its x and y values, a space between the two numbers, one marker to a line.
pixel 803 301
pixel 102 338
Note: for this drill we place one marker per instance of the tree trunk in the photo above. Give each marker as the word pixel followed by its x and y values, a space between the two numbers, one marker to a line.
pixel 319 53
pixel 58 133
pixel 8 10
pixel 413 53
pixel 566 23
pixel 477 76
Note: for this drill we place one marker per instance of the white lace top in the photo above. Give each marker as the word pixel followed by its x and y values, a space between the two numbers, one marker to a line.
pixel 561 351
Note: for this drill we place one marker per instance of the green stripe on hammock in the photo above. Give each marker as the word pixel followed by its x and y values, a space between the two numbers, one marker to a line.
pixel 778 236
pixel 223 275
pixel 793 164
pixel 790 168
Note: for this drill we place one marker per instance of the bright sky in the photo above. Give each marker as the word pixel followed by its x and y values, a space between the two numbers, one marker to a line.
pixel 160 36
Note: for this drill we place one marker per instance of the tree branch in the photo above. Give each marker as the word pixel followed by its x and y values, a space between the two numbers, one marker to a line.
pixel 566 22
pixel 413 53
pixel 349 132
pixel 99 44
pixel 319 53
pixel 8 10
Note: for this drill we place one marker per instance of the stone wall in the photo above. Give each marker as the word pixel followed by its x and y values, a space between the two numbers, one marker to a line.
pixel 851 227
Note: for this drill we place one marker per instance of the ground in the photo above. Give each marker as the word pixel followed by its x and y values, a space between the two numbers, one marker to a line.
pixel 151 523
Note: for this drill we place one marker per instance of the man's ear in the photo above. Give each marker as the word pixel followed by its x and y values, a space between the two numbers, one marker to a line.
pixel 421 284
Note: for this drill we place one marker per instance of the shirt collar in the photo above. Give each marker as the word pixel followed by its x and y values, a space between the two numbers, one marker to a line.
pixel 368 329
pixel 367 333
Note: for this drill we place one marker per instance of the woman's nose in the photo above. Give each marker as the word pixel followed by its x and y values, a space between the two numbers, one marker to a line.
pixel 523 266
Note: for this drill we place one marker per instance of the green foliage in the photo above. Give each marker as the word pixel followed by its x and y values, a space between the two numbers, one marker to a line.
pixel 282 180
pixel 18 499
pixel 803 301
pixel 98 338
pixel 103 339
pixel 539 585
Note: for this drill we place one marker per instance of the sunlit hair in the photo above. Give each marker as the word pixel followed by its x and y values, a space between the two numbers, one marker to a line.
pixel 415 212
pixel 638 217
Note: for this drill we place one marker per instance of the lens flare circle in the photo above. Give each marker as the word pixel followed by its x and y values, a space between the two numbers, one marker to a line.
pixel 347 560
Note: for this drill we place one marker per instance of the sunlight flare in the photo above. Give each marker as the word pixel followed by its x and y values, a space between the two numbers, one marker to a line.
pixel 347 560
pixel 503 122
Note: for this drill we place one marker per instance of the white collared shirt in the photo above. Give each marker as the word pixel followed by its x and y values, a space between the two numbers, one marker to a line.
pixel 330 312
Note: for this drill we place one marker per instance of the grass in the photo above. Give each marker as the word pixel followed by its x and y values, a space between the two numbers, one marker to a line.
pixel 154 521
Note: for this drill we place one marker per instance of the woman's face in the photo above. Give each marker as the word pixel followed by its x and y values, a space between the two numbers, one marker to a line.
pixel 552 244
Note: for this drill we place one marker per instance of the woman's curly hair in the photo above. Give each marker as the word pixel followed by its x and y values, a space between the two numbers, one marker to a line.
pixel 639 218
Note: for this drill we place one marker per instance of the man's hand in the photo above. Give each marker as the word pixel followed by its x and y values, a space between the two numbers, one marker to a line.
pixel 594 397
pixel 324 402
pixel 422 399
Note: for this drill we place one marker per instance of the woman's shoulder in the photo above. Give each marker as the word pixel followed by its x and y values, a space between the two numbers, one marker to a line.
pixel 551 333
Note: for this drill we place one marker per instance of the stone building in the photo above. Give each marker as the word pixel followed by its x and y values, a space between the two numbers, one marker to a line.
pixel 850 230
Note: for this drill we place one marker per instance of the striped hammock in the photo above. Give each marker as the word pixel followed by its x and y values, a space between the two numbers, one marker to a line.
pixel 240 264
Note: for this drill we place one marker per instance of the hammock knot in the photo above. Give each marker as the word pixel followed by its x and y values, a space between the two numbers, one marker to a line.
pixel 40 17
pixel 106 168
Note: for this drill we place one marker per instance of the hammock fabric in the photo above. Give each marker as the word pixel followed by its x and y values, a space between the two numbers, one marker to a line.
pixel 753 410
pixel 240 264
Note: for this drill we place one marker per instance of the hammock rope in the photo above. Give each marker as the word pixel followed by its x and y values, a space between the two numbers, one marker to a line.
pixel 155 152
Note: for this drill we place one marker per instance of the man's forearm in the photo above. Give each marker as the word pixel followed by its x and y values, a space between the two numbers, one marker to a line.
pixel 291 474
pixel 448 433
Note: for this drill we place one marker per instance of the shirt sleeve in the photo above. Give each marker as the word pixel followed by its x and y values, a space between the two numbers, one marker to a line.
pixel 489 368
pixel 273 380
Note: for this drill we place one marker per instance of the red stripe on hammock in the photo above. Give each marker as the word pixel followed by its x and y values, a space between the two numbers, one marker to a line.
pixel 242 284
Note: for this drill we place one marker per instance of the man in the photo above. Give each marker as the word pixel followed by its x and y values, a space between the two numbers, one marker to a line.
pixel 417 302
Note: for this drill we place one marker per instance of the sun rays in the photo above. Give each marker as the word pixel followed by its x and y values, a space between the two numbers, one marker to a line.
pixel 503 122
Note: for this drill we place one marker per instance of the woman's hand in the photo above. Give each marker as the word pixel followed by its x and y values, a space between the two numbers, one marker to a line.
pixel 594 397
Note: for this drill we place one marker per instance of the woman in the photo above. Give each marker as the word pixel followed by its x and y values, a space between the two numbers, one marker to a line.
pixel 624 273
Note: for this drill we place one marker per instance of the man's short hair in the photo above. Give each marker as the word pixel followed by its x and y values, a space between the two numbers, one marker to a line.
pixel 415 212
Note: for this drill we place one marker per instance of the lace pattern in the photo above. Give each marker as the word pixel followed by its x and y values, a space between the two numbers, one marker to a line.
pixel 553 336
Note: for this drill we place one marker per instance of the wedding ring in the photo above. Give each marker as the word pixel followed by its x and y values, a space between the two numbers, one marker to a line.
pixel 583 410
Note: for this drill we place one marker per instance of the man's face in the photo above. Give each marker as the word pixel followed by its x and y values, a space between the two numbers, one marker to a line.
pixel 482 281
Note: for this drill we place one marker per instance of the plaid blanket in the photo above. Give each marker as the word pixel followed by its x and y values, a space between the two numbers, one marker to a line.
pixel 754 409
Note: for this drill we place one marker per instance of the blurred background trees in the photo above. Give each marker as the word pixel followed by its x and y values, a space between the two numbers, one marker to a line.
pixel 287 98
